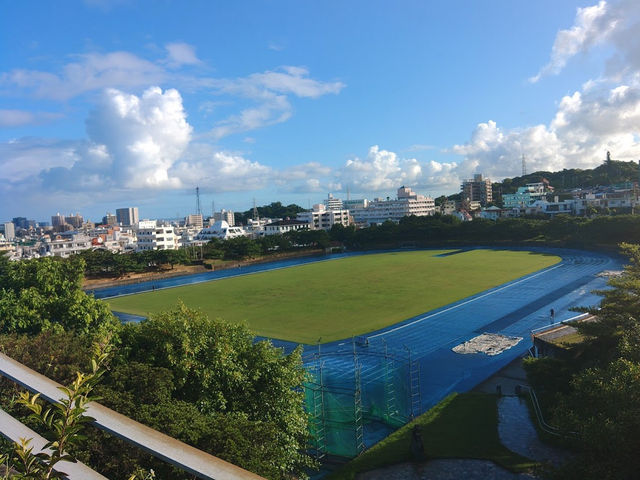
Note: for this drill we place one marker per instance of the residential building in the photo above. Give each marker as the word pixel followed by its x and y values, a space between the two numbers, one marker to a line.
pixel 194 220
pixel 9 231
pixel 151 236
pixel 65 245
pixel 110 219
pixel 477 189
pixel 127 216
pixel 57 220
pixel 75 221
pixel 322 217
pixel 407 203
pixel 221 230
pixel 284 226
pixel 448 207
pixel 524 196
pixel 332 203
pixel 225 215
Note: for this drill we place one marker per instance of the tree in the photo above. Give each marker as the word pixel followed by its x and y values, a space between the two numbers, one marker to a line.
pixel 599 403
pixel 46 294
pixel 218 367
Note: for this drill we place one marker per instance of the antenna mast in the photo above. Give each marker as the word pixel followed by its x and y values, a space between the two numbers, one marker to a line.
pixel 255 210
pixel 524 166
pixel 198 211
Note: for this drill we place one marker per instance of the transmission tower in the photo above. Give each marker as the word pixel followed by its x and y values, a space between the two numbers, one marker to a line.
pixel 198 211
pixel 524 166
pixel 255 210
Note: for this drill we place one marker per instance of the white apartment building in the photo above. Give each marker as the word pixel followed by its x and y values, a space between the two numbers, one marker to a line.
pixel 65 246
pixel 323 218
pixel 151 236
pixel 224 215
pixel 221 230
pixel 284 226
pixel 408 203
pixel 332 203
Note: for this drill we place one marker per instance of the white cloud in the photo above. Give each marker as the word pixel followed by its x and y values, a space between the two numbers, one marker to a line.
pixel 585 126
pixel 22 158
pixel 270 91
pixel 94 71
pixel 217 171
pixel 383 170
pixel 614 24
pixel 18 118
pixel 143 135
pixel 180 53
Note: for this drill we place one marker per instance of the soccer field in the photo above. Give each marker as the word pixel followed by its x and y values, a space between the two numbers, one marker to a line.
pixel 341 298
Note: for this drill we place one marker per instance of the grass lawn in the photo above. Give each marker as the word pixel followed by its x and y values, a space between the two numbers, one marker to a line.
pixel 461 426
pixel 341 298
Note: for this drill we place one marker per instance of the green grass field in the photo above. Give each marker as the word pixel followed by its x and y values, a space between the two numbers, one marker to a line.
pixel 341 298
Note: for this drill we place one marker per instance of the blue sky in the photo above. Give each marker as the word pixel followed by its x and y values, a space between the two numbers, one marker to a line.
pixel 106 103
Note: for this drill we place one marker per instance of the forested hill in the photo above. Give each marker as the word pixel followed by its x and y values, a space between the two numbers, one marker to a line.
pixel 610 172
pixel 273 210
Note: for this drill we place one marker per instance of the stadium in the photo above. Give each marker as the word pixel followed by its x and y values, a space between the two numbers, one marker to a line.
pixel 389 360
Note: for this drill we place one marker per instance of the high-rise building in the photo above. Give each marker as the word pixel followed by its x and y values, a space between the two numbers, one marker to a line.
pixel 477 189
pixel 194 220
pixel 57 220
pixel 333 203
pixel 75 221
pixel 9 231
pixel 225 215
pixel 109 219
pixel 127 216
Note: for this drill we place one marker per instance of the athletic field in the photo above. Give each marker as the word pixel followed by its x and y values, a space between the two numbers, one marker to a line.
pixel 345 297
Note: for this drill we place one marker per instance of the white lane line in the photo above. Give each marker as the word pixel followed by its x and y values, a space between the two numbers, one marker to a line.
pixel 465 303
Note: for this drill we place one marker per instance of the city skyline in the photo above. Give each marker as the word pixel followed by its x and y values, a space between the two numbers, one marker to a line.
pixel 138 102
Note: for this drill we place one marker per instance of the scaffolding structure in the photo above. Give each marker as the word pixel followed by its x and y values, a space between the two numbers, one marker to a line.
pixel 357 395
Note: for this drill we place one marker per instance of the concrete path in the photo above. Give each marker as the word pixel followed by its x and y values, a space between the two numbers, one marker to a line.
pixel 518 434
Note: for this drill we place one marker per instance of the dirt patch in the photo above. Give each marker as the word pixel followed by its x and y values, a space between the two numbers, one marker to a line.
pixel 179 270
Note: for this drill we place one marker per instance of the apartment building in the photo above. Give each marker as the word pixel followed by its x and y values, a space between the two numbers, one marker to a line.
pixel 151 236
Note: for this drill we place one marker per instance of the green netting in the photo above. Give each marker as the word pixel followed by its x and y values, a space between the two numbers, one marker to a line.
pixel 350 397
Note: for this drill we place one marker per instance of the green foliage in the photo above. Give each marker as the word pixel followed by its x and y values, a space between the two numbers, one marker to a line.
pixel 65 420
pixel 273 210
pixel 220 369
pixel 45 294
pixel 606 174
pixel 595 392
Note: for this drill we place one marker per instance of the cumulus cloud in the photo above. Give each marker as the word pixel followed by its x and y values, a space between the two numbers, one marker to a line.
pixel 585 126
pixel 217 171
pixel 383 170
pixel 18 118
pixel 144 136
